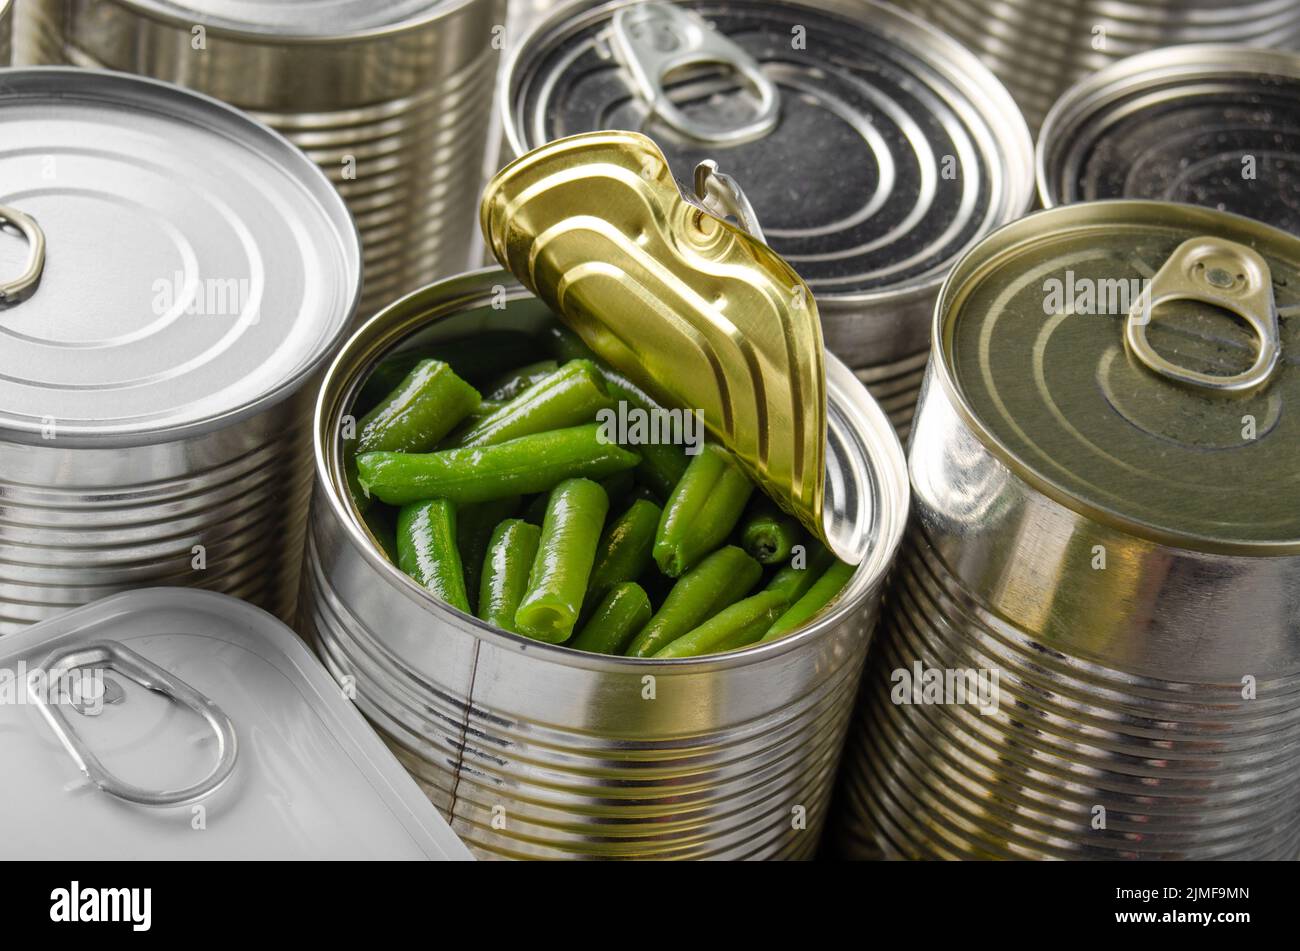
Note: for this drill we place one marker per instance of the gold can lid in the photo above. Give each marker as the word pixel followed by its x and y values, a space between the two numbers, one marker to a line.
pixel 1138 362
pixel 702 315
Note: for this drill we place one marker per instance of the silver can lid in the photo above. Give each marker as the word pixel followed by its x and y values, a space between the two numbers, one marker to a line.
pixel 873 148
pixel 193 267
pixel 1211 125
pixel 126 719
pixel 292 18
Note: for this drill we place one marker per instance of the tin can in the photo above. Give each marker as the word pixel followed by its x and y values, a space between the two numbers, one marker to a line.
pixel 539 751
pixel 1206 125
pixel 874 149
pixel 392 100
pixel 177 292
pixel 1040 51
pixel 127 718
pixel 1106 527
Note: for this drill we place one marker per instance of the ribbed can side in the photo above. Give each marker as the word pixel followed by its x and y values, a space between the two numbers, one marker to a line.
pixel 1079 760
pixel 224 511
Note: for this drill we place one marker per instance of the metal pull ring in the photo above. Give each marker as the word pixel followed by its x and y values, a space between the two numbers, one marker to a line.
pixel 652 40
pixel 1221 273
pixel 721 195
pixel 22 287
pixel 152 677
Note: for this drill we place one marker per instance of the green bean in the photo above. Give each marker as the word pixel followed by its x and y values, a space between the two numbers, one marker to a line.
pixel 739 625
pixel 474 525
pixel 703 509
pixel 426 549
pixel 509 385
pixel 768 534
pixel 423 408
pixel 562 567
pixel 624 550
pixel 717 581
pixel 792 582
pixel 570 396
pixel 379 519
pixel 621 613
pixel 517 467
pixel 822 592
pixel 661 465
pixel 509 558
pixel 475 358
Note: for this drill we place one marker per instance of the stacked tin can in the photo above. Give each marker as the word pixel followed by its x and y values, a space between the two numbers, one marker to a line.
pixel 1089 649
pixel 1040 49
pixel 392 100
pixel 873 148
pixel 173 275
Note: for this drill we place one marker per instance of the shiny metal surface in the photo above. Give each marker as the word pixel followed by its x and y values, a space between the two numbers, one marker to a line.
pixel 311 781
pixel 1148 703
pixel 1040 49
pixel 905 149
pixel 700 314
pixel 1212 125
pixel 536 751
pixel 145 440
pixel 393 103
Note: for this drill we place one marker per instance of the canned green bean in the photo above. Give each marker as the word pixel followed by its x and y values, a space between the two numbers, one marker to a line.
pixel 1090 648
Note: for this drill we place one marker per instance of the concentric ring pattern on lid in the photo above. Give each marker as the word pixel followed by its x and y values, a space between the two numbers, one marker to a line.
pixel 888 156
pixel 1032 326
pixel 321 18
pixel 1217 126
pixel 197 266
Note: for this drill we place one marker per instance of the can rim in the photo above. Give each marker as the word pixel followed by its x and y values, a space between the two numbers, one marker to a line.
pixel 341 381
pixel 1005 243
pixel 159 13
pixel 1097 92
pixel 956 60
pixel 333 208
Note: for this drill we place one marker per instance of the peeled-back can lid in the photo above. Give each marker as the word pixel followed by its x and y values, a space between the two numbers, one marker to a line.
pixel 1214 125
pixel 874 149
pixel 127 719
pixel 290 18
pixel 169 263
pixel 1140 363
pixel 703 316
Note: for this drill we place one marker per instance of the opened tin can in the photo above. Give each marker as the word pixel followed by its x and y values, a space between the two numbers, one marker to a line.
pixel 166 724
pixel 873 148
pixel 1208 125
pixel 392 100
pixel 540 751
pixel 166 297
pixel 1092 645
pixel 1039 51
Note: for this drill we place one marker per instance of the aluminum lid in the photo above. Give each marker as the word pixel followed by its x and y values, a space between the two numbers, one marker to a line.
pixel 197 267
pixel 1208 125
pixel 1177 421
pixel 874 149
pixel 241 748
pixel 292 18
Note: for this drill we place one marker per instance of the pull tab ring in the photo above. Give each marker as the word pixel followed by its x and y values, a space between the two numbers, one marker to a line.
pixel 22 287
pixel 721 195
pixel 1223 274
pixel 152 677
pixel 652 40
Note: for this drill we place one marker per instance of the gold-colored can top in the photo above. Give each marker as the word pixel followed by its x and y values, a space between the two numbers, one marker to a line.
pixel 702 315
